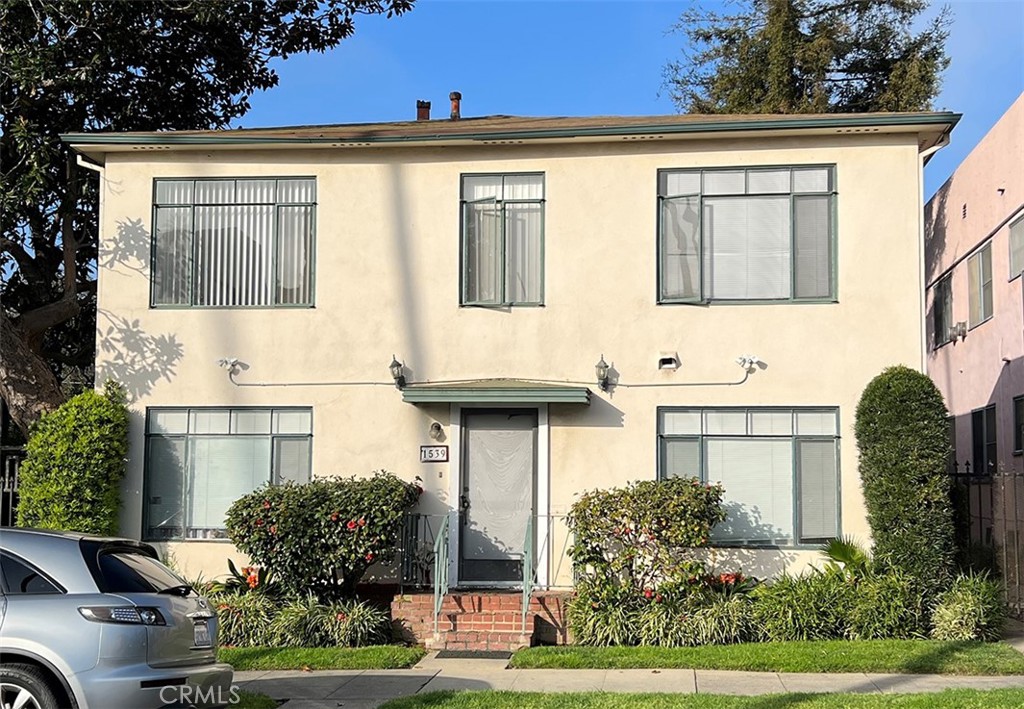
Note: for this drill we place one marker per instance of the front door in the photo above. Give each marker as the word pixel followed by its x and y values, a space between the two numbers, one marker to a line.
pixel 498 472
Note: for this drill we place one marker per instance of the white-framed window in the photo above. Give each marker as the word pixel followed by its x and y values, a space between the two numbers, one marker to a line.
pixel 200 460
pixel 502 239
pixel 979 283
pixel 233 243
pixel 779 469
pixel 942 310
pixel 746 234
pixel 1016 247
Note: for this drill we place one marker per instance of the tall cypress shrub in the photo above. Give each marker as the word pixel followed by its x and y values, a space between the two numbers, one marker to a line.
pixel 71 477
pixel 904 448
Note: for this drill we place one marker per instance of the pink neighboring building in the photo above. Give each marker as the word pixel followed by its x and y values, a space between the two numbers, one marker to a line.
pixel 974 254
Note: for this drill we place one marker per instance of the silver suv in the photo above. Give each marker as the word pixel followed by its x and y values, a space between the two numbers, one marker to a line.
pixel 99 623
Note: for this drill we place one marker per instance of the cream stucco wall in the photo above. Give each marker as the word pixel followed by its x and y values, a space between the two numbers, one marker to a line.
pixel 387 273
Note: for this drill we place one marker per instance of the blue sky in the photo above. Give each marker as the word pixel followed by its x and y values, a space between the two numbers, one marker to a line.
pixel 585 57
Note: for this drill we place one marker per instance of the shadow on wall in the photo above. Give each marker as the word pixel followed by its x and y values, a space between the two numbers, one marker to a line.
pixel 131 247
pixel 1008 385
pixel 133 357
pixel 600 414
pixel 760 563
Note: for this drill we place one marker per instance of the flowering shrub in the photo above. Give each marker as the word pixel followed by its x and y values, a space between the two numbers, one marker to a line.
pixel 250 578
pixel 320 537
pixel 643 535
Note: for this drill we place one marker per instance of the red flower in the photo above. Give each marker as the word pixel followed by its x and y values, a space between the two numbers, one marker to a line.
pixel 273 529
pixel 369 556
pixel 362 522
pixel 259 522
pixel 334 516
pixel 341 617
pixel 648 593
pixel 266 504
pixel 658 598
pixel 351 524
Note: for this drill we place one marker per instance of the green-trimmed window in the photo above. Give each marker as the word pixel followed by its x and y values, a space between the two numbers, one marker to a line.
pixel 942 310
pixel 979 283
pixel 230 243
pixel 779 468
pixel 502 239
pixel 746 234
pixel 1016 248
pixel 983 439
pixel 199 461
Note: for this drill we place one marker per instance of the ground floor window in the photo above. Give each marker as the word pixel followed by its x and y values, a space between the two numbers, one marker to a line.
pixel 199 461
pixel 779 468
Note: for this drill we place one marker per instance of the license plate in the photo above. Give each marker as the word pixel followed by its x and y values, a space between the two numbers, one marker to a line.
pixel 201 633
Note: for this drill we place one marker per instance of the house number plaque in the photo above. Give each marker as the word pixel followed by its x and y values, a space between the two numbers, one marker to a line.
pixel 433 454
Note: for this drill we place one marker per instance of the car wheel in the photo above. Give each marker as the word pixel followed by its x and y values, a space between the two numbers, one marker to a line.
pixel 25 687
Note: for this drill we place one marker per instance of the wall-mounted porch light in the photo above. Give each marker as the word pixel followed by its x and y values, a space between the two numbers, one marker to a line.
pixel 396 372
pixel 602 373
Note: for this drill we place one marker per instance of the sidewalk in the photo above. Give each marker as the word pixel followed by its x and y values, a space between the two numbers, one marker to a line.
pixel 366 689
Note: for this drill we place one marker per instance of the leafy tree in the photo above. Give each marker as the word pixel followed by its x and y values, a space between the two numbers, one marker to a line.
pixel 77 65
pixel 903 440
pixel 809 56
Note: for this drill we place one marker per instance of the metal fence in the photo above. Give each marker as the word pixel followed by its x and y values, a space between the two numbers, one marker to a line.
pixel 10 464
pixel 989 513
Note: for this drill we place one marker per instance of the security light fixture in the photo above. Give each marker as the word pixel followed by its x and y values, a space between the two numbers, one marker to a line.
pixel 748 362
pixel 602 373
pixel 397 373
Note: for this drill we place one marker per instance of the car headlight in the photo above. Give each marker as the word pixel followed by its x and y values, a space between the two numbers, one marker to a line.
pixel 136 615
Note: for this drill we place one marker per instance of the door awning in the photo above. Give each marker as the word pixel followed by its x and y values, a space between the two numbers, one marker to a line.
pixel 496 391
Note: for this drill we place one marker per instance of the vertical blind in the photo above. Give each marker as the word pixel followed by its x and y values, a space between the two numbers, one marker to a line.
pixel 755 234
pixel 233 243
pixel 979 283
pixel 503 226
pixel 778 467
pixel 199 461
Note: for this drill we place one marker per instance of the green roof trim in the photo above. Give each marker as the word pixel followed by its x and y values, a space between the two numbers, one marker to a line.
pixel 228 137
pixel 496 391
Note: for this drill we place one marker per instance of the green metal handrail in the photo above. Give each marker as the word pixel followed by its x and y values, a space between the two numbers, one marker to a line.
pixel 440 571
pixel 528 572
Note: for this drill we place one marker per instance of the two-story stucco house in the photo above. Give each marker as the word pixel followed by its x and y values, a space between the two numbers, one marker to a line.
pixel 743 277
pixel 974 237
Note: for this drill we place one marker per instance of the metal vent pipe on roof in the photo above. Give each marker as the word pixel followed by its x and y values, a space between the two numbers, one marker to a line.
pixel 423 110
pixel 456 98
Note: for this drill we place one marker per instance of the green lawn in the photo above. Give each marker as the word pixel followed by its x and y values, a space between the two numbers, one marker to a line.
pixel 903 656
pixel 252 700
pixel 950 699
pixel 376 657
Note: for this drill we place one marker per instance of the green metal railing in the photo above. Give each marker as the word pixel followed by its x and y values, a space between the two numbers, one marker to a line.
pixel 528 572
pixel 440 571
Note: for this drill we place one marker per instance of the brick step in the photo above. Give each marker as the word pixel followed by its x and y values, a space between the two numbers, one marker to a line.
pixel 498 621
pixel 474 640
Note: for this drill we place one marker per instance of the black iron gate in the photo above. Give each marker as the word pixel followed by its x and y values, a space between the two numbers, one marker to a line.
pixel 989 520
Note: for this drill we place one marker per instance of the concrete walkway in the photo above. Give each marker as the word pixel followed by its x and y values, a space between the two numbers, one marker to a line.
pixel 357 689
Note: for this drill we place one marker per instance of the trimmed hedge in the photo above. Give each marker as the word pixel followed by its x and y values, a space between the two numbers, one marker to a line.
pixel 903 439
pixel 71 478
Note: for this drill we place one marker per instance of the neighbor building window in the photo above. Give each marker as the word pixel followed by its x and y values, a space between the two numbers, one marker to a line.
pixel 942 310
pixel 979 283
pixel 779 468
pixel 199 461
pixel 983 435
pixel 1016 248
pixel 746 234
pixel 233 243
pixel 1018 424
pixel 502 239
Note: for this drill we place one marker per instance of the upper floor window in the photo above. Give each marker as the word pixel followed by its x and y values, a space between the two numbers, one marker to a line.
pixel 1018 424
pixel 1016 248
pixel 503 239
pixel 979 284
pixel 942 310
pixel 233 242
pixel 779 468
pixel 745 234
pixel 199 461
